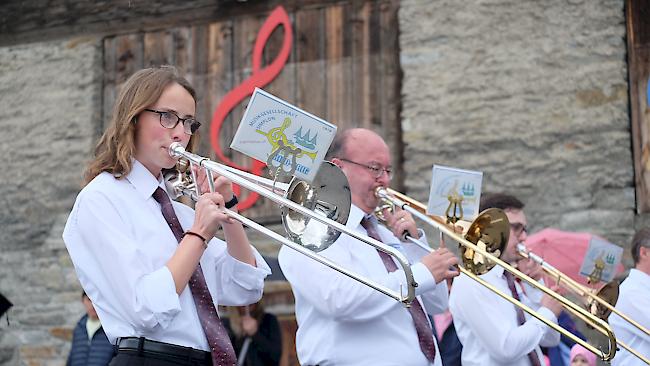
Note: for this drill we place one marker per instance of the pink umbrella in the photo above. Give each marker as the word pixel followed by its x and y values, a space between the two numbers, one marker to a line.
pixel 565 251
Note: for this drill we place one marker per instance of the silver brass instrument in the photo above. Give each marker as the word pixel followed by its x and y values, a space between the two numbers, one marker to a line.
pixel 313 215
pixel 600 303
pixel 486 238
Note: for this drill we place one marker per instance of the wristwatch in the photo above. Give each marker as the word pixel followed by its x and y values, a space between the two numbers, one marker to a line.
pixel 233 201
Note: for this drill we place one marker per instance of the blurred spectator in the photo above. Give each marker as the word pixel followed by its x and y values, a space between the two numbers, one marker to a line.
pixel 580 356
pixel 255 334
pixel 90 347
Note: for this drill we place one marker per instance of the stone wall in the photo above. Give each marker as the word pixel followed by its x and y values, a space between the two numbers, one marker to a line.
pixel 533 94
pixel 50 98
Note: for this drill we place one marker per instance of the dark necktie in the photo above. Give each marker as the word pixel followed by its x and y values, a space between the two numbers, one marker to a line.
pixel 532 356
pixel 222 350
pixel 425 334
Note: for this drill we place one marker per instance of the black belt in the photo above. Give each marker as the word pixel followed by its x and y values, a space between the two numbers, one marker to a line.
pixel 143 345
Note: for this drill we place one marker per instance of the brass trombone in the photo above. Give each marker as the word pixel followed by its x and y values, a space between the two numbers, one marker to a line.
pixel 600 303
pixel 312 222
pixel 479 242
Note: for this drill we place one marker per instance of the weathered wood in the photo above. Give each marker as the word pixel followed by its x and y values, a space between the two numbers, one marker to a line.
pixel 338 69
pixel 390 87
pixel 24 21
pixel 158 48
pixel 638 27
pixel 123 57
pixel 310 55
pixel 337 66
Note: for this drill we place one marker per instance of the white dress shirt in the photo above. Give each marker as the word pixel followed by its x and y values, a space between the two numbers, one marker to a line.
pixel 119 243
pixel 487 326
pixel 633 301
pixel 343 322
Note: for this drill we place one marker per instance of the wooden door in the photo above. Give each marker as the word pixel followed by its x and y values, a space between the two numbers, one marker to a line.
pixel 343 67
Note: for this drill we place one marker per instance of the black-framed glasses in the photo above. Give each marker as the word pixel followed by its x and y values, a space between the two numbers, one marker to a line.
pixel 518 228
pixel 375 169
pixel 170 120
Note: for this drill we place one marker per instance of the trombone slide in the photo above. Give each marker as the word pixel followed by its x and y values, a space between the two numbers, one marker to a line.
pixel 176 150
pixel 596 322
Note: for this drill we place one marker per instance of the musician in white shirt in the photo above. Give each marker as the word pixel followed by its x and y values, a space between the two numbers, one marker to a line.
pixel 634 301
pixel 488 325
pixel 137 271
pixel 343 322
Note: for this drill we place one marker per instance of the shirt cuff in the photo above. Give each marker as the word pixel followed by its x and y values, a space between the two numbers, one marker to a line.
pixel 158 297
pixel 424 279
pixel 250 277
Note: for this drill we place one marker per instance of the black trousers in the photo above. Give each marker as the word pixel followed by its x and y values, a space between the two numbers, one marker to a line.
pixel 150 353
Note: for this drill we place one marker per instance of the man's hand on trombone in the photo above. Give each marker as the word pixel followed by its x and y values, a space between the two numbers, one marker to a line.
pixel 401 222
pixel 530 268
pixel 442 264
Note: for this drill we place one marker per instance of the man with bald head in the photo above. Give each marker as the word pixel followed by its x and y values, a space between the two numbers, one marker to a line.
pixel 343 322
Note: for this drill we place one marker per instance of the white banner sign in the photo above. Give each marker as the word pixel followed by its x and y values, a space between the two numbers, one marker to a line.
pixel 601 260
pixel 283 136
pixel 464 186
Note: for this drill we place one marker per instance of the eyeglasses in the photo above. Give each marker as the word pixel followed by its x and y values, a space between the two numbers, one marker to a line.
pixel 518 228
pixel 170 120
pixel 375 170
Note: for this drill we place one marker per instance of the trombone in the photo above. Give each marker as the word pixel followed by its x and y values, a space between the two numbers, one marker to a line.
pixel 599 302
pixel 312 223
pixel 488 234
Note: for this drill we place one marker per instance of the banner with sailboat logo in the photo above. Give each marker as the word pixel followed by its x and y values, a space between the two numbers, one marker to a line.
pixel 289 140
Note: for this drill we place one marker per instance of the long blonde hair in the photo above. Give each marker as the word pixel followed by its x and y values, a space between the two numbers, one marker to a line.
pixel 116 147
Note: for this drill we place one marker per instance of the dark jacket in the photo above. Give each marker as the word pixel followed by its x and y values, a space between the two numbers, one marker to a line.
pixel 96 352
pixel 266 346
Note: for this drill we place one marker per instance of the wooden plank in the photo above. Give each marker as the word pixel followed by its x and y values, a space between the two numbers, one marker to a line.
pixel 42 20
pixel 335 68
pixel 373 66
pixel 639 71
pixel 310 54
pixel 219 71
pixel 360 48
pixel 389 74
pixel 198 77
pixel 183 51
pixel 123 56
pixel 158 48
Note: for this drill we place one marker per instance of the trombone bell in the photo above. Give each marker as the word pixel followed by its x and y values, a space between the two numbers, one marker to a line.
pixel 489 231
pixel 609 293
pixel 328 196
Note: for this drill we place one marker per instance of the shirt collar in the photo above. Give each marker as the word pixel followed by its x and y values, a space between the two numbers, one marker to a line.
pixel 143 181
pixel 355 216
pixel 497 271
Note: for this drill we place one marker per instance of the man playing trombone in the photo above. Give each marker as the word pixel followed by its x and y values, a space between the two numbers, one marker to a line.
pixel 634 300
pixel 343 322
pixel 492 330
